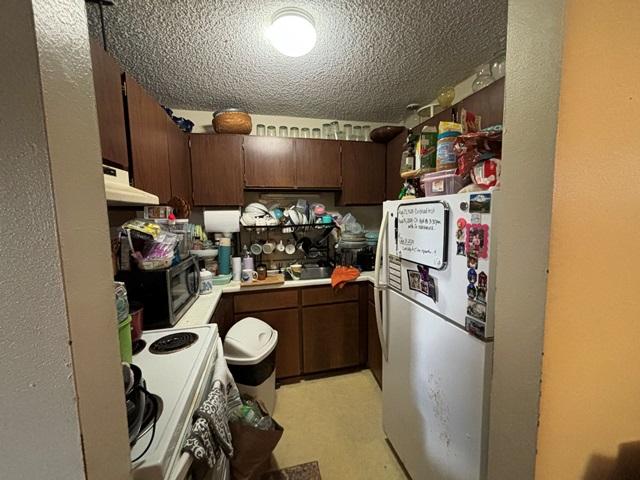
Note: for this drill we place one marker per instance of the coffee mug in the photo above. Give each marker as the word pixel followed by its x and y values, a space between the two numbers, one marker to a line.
pixel 269 247
pixel 294 271
pixel 249 275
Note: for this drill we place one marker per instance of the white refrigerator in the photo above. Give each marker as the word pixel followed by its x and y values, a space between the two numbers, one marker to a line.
pixel 434 308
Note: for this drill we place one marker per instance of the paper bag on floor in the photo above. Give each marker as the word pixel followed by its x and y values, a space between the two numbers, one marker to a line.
pixel 252 448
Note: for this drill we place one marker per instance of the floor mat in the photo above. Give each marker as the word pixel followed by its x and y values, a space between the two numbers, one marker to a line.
pixel 304 471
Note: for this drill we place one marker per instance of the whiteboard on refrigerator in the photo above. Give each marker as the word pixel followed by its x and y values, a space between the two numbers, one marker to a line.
pixel 422 233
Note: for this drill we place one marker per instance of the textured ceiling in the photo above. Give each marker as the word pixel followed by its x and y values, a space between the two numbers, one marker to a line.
pixel 371 58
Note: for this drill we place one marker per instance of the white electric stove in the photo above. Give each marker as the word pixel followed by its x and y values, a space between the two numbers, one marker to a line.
pixel 177 365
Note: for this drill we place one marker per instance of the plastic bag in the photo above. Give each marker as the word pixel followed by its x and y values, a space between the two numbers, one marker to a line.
pixel 487 173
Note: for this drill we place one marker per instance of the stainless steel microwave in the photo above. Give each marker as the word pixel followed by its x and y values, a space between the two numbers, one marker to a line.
pixel 165 294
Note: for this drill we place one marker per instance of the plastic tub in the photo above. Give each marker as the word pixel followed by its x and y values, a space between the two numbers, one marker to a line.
pixel 445 182
pixel 124 335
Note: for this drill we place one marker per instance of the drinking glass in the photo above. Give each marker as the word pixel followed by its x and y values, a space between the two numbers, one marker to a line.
pixel 294 132
pixel 366 131
pixel 260 130
pixel 315 133
pixel 283 132
pixel 326 130
pixel 334 132
pixel 357 133
pixel 305 133
pixel 348 131
pixel 271 131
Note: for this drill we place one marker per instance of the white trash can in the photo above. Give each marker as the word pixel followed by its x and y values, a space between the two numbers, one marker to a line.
pixel 250 351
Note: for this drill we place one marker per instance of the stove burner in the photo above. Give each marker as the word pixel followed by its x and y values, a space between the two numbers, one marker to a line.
pixel 173 342
pixel 138 346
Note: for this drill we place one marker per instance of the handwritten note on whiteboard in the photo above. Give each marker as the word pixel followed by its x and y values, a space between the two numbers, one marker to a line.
pixel 422 233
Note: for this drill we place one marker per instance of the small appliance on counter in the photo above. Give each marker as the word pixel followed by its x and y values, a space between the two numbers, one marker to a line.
pixel 164 294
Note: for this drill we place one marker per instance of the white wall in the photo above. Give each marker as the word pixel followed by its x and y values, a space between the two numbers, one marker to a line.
pixel 202 120
pixel 61 398
pixel 534 50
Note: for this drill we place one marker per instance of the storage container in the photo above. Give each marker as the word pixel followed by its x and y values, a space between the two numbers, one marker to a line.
pixel 250 351
pixel 445 182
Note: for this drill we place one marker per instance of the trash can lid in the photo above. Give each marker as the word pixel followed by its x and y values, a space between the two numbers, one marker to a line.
pixel 249 342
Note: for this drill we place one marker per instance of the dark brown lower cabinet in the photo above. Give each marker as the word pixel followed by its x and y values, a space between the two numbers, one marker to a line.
pixel 330 337
pixel 288 349
pixel 374 360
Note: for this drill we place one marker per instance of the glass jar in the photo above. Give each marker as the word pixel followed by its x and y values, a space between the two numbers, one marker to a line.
pixel 261 130
pixel 348 131
pixel 283 131
pixel 366 131
pixel 315 133
pixel 271 131
pixel 357 133
pixel 483 78
pixel 305 133
pixel 294 132
pixel 334 130
pixel 326 130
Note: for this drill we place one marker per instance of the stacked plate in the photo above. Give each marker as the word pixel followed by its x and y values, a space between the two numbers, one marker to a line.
pixel 352 240
pixel 371 238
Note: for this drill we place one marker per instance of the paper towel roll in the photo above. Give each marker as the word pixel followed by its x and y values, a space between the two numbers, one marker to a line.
pixel 226 221
pixel 236 268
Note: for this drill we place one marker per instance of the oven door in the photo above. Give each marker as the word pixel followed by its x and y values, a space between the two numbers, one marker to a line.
pixel 184 280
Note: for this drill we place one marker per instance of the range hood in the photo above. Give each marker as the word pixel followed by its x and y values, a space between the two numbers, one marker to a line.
pixel 119 192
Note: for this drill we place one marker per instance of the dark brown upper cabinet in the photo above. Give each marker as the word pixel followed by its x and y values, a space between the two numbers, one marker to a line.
pixel 148 137
pixel 269 162
pixel 363 173
pixel 216 169
pixel 317 164
pixel 107 80
pixel 179 162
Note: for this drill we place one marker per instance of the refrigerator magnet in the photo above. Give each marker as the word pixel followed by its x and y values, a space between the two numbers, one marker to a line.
pixel 414 280
pixel 460 248
pixel 471 291
pixel 460 235
pixel 477 239
pixel 472 276
pixel 481 294
pixel 475 327
pixel 472 260
pixel 477 310
pixel 480 203
pixel 428 287
pixel 482 280
pixel 461 222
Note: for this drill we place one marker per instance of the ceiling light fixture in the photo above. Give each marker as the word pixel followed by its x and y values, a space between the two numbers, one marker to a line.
pixel 292 32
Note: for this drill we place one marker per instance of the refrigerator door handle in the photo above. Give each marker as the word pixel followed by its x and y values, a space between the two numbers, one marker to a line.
pixel 378 287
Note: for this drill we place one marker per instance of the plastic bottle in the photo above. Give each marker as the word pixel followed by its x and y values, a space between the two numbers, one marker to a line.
pixel 247 259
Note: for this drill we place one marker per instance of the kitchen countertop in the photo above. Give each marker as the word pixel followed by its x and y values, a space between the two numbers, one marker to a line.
pixel 202 309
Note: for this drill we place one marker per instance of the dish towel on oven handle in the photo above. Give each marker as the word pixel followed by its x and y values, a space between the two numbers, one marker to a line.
pixel 210 437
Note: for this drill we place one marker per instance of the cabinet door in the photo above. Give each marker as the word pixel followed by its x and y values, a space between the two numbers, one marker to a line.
pixel 179 162
pixel 394 156
pixel 269 162
pixel 330 337
pixel 374 361
pixel 148 135
pixel 363 173
pixel 216 169
pixel 107 81
pixel 288 350
pixel 317 163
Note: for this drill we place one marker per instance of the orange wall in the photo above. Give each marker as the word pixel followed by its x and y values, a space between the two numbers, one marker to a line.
pixel 590 402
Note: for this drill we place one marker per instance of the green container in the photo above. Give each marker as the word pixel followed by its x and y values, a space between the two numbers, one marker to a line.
pixel 124 334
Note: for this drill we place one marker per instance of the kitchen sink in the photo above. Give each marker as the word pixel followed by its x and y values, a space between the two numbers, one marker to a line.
pixel 313 273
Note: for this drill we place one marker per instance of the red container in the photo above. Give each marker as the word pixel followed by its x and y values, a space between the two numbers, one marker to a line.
pixel 137 317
